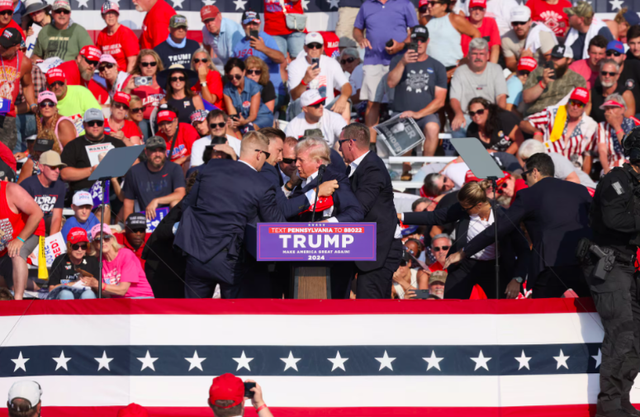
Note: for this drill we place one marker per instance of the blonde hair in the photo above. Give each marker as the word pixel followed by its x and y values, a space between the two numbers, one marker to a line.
pixel 142 54
pixel 49 133
pixel 253 62
pixel 210 61
pixel 474 193
pixel 318 149
pixel 94 246
pixel 136 99
pixel 251 140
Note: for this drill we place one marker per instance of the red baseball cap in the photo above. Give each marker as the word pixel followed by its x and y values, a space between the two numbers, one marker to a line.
pixel 121 97
pixel 56 74
pixel 77 235
pixel 6 5
pixel 133 410
pixel 469 177
pixel 423 3
pixel 477 3
pixel 503 179
pixel 165 116
pixel 527 63
pixel 331 42
pixel 91 53
pixel 226 387
pixel 209 12
pixel 580 94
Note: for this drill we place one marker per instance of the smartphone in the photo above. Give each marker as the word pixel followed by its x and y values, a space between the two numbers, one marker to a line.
pixel 421 294
pixel 413 46
pixel 389 44
pixel 315 62
pixel 142 81
pixel 254 34
pixel 549 64
pixel 247 389
pixel 235 117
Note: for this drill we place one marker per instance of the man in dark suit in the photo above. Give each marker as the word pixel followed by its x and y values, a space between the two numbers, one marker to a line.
pixel 226 197
pixel 371 183
pixel 556 216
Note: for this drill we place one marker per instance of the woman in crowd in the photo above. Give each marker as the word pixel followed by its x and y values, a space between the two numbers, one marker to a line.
pixel 208 76
pixel 51 125
pixel 67 269
pixel 405 279
pixel 136 113
pixel 117 126
pixel 108 69
pixel 258 71
pixel 199 122
pixel 38 12
pixel 241 90
pixel 178 81
pixel 144 84
pixel 497 129
pixel 116 39
pixel 122 274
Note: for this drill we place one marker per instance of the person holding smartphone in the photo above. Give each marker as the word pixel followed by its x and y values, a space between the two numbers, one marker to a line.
pixel 227 395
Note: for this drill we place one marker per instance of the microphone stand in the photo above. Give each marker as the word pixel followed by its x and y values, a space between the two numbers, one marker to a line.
pixel 494 184
pixel 315 203
pixel 104 193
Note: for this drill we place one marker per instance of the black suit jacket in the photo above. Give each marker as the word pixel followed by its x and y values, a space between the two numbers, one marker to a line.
pixel 289 207
pixel 346 207
pixel 556 215
pixel 513 248
pixel 371 184
pixel 226 197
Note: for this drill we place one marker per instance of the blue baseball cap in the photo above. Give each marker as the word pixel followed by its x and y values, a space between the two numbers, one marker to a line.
pixel 615 46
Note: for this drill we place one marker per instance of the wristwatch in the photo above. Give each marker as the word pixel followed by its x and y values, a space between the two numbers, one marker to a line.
pixel 519 280
pixel 204 84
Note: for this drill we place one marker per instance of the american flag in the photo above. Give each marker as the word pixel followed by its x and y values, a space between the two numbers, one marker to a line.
pixel 311 357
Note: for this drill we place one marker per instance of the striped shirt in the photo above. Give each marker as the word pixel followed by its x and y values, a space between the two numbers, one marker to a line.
pixel 615 155
pixel 580 142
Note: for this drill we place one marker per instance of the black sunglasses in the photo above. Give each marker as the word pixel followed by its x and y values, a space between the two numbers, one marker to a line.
pixel 198 60
pixel 92 63
pixel 61 11
pixel 217 125
pixel 77 246
pixel 479 112
pixel 47 104
pixel 266 154
pixel 174 79
pixel 315 45
pixel 440 248
pixel 341 141
pixel 137 110
pixel 95 123
pixel 525 173
pixel 120 106
pixel 148 64
pixel 289 160
pixel 518 23
pixel 56 84
pixel 256 72
pixel 607 73
pixel 7 13
pixel 614 53
pixel 347 60
pixel 317 105
pixel 105 66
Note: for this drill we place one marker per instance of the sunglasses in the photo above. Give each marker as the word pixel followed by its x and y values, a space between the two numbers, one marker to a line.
pixel 608 74
pixel 252 72
pixel 175 79
pixel 524 72
pixel 137 110
pixel 92 63
pixel 120 106
pixel 217 125
pixel 106 238
pixel 47 104
pixel 198 60
pixel 238 77
pixel 576 103
pixel 514 24
pixel 62 11
pixel 347 60
pixel 315 45
pixel 105 66
pixel 441 248
pixel 95 123
pixel 500 189
pixel 82 246
pixel 479 112
pixel 341 141
pixel 525 173
pixel 56 84
pixel 613 53
pixel 317 105
pixel 289 161
pixel 148 64
pixel 7 13
pixel 266 154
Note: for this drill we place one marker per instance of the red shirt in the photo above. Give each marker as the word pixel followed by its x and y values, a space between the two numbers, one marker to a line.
pixel 187 134
pixel 121 239
pixel 150 96
pixel 215 86
pixel 155 26
pixel 72 73
pixel 274 18
pixel 551 15
pixel 519 185
pixel 130 129
pixel 10 80
pixel 120 45
pixel 489 28
pixel 7 157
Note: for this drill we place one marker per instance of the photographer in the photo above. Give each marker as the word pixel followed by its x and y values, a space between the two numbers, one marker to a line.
pixel 227 396
pixel 614 289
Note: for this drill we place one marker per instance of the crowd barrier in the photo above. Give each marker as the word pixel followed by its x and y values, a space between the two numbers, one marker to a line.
pixel 312 357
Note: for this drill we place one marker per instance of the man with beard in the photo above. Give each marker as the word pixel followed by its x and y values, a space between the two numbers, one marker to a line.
pixel 156 184
pixel 80 72
pixel 547 86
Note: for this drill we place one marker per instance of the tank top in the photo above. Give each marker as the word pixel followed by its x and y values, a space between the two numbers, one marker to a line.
pixel 444 41
pixel 414 283
pixel 9 74
pixel 184 107
pixel 11 224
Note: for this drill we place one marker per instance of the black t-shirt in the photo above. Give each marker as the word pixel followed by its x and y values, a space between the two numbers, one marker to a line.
pixel 268 92
pixel 64 272
pixel 597 99
pixel 630 79
pixel 578 45
pixel 142 185
pixel 47 198
pixel 170 55
pixel 500 140
pixel 75 155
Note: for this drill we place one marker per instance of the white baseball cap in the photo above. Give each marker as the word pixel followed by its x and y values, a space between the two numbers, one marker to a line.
pixel 520 14
pixel 311 97
pixel 82 198
pixel 26 390
pixel 313 37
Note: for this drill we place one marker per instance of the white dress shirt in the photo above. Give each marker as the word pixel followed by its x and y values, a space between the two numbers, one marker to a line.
pixel 477 226
pixel 247 164
pixel 354 164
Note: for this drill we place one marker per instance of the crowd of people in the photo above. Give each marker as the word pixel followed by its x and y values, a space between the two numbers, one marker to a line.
pixel 547 88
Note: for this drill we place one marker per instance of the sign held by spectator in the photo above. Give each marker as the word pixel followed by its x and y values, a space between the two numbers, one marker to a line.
pixel 400 135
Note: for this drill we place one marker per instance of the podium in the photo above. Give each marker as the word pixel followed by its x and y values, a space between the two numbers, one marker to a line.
pixel 310 249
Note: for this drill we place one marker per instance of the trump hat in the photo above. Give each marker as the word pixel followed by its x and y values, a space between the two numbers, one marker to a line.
pixel 580 94
pixel 56 74
pixel 527 63
pixel 226 387
pixel 165 116
pixel 478 3
pixel 122 98
pixel 311 97
pixel 77 235
pixel 91 53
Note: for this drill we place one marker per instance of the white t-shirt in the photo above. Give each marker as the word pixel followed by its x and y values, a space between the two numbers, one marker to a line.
pixel 331 76
pixel 330 123
pixel 197 149
pixel 355 79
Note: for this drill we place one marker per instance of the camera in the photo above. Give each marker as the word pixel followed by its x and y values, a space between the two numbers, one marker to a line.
pixel 142 81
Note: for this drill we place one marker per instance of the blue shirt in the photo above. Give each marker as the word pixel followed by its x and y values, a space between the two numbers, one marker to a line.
pixel 243 50
pixel 73 222
pixel 384 22
pixel 242 102
pixel 514 91
pixel 231 33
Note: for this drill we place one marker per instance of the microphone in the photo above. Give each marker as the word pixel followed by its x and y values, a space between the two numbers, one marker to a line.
pixel 321 171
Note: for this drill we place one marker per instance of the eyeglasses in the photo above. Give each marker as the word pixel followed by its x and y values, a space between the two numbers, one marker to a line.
pixel 315 45
pixel 217 125
pixel 120 106
pixel 576 103
pixel 347 60
pixel 340 142
pixel 479 112
pixel 7 13
pixel 107 65
pixel 317 105
pixel 514 24
pixel 613 53
pixel 92 63
pixel 175 79
pixel 289 161
pixel 61 11
pixel 252 72
pixel 238 77
pixel 266 154
pixel 608 74
pixel 137 110
pixel 441 248
pixel 47 104
pixel 148 64
pixel 76 246
pixel 198 60
pixel 94 123
pixel 56 84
